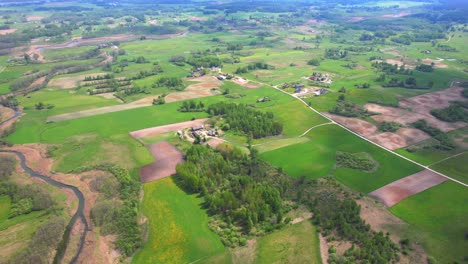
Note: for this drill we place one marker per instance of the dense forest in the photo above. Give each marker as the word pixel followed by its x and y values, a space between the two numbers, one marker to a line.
pixel 246 196
pixel 246 120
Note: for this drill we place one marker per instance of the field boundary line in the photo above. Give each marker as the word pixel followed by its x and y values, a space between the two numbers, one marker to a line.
pixel 366 139
pixel 442 160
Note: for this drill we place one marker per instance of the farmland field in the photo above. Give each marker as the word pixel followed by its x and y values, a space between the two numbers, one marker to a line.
pixel 177 226
pixel 316 158
pixel 422 211
pixel 85 75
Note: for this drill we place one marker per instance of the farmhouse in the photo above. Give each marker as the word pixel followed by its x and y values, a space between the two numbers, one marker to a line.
pixel 196 128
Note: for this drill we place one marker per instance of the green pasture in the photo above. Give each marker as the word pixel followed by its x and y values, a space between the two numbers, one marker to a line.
pixel 455 167
pixel 316 158
pixel 177 226
pixel 297 243
pixel 64 101
pixel 5 206
pixel 438 216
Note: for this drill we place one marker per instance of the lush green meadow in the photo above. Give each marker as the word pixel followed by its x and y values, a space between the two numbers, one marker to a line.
pixel 177 226
pixel 455 167
pixel 297 243
pixel 439 215
pixel 316 158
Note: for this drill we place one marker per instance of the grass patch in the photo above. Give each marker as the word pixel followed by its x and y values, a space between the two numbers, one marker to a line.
pixel 297 243
pixel 316 158
pixel 178 227
pixel 5 206
pixel 455 167
pixel 444 232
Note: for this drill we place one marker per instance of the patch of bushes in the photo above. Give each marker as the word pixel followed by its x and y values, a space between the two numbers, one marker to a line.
pixel 453 113
pixel 358 161
pixel 444 142
pixel 347 109
pixel 192 106
pixel 172 83
pixel 119 216
pixel 388 126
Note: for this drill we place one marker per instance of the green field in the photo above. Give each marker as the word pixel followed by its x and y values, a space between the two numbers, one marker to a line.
pixel 178 227
pixel 439 215
pixel 455 167
pixel 316 158
pixel 297 243
pixel 5 206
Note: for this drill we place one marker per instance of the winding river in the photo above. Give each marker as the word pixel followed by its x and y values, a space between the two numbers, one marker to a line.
pixel 78 215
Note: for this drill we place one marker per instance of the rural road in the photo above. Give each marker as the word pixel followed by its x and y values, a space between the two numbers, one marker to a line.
pixel 362 137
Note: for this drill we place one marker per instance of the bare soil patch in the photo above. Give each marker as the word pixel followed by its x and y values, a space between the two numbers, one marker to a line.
pixel 389 140
pixel 207 86
pixel 34 18
pixel 401 14
pixel 359 126
pixel 167 128
pixel 166 156
pixel 409 64
pixel 246 83
pixel 214 142
pixel 7 31
pixel 67 82
pixel 412 135
pixel 437 63
pixel 396 191
pixel 6 113
pixel 381 220
pixel 109 96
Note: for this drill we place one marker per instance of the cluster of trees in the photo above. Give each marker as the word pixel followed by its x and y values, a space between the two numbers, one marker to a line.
pixel 391 69
pixel 386 126
pixel 41 106
pixel 192 106
pixel 254 66
pixel 358 161
pixel 116 211
pixel 408 83
pixel 443 141
pixel 455 112
pixel 425 68
pixel 345 108
pixel 172 83
pixel 44 241
pixel 335 54
pixel 339 218
pixel 313 62
pixel 235 188
pixel 204 61
pixel 99 77
pixel 246 120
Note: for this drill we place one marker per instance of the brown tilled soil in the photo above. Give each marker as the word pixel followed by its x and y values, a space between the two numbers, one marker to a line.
pixel 166 156
pixel 409 64
pixel 381 220
pixel 399 139
pixel 214 142
pixel 245 83
pixel 6 113
pixel 203 88
pixel 7 31
pixel 167 128
pixel 419 107
pixel 65 82
pixel 437 63
pixel 359 126
pixel 34 18
pixel 396 191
